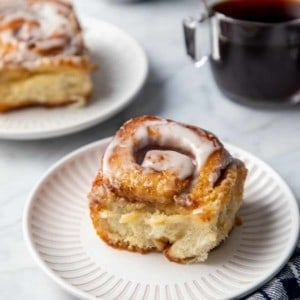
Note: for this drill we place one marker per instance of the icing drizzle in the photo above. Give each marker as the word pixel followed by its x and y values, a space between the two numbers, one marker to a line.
pixel 163 133
pixel 162 160
pixel 34 31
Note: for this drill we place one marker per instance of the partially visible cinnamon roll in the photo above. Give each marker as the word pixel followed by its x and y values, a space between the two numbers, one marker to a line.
pixel 166 186
pixel 43 60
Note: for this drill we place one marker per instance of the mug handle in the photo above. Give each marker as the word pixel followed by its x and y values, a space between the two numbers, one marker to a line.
pixel 190 26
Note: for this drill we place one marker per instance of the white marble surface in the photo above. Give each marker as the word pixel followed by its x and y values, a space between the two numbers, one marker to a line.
pixel 174 89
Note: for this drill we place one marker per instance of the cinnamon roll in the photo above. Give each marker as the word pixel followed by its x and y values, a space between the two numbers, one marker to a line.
pixel 43 60
pixel 166 186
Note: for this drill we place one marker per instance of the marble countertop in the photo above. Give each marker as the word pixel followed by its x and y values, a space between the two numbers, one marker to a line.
pixel 174 89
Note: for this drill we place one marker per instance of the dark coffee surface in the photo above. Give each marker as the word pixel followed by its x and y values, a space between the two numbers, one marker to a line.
pixel 256 62
pixel 266 11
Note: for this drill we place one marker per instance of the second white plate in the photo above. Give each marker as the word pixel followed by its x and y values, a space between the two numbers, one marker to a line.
pixel 62 239
pixel 122 71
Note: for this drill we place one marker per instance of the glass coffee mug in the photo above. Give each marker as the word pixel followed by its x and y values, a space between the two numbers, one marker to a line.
pixel 254 50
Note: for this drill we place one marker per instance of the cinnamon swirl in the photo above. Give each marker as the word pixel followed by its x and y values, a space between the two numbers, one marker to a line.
pixel 166 186
pixel 43 60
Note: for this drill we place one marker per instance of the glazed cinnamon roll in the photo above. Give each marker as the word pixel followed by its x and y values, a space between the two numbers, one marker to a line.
pixel 166 186
pixel 43 60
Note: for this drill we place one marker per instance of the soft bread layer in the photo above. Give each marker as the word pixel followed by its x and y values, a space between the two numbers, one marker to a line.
pixel 50 88
pixel 184 234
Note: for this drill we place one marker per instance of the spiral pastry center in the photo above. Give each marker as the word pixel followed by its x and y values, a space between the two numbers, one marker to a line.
pixel 173 159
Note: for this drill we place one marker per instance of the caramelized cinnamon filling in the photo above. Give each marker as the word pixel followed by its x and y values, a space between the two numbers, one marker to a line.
pixel 140 154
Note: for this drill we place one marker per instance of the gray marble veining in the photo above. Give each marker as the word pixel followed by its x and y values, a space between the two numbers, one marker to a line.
pixel 174 89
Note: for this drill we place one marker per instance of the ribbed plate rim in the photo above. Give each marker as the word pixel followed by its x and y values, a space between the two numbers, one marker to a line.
pixel 84 295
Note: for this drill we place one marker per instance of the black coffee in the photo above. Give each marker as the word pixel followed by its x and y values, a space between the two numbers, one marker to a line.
pixel 266 11
pixel 258 60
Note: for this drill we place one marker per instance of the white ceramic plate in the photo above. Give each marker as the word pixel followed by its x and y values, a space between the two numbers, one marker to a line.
pixel 122 71
pixel 60 236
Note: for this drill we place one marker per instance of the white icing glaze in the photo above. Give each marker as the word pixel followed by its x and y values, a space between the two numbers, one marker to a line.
pixel 163 160
pixel 50 20
pixel 176 135
pixel 44 25
pixel 161 133
pixel 139 133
